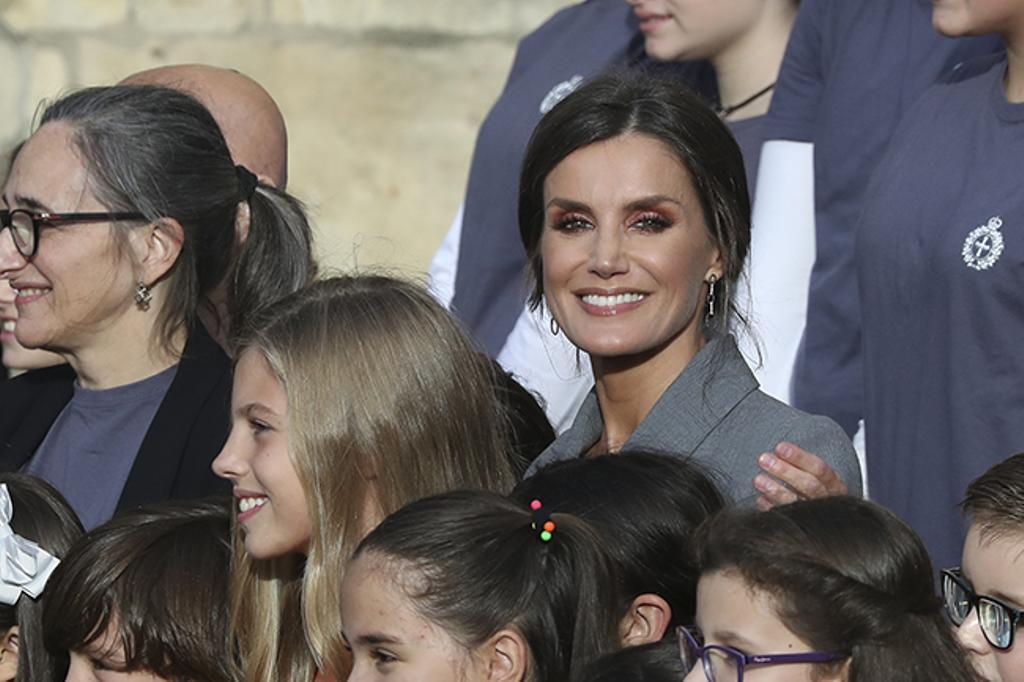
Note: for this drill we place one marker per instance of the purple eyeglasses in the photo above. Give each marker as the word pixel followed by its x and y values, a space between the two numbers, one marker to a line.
pixel 725 664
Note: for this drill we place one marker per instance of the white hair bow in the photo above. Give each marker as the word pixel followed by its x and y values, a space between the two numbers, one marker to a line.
pixel 24 565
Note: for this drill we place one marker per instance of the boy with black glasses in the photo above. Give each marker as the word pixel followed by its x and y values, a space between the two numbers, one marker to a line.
pixel 985 597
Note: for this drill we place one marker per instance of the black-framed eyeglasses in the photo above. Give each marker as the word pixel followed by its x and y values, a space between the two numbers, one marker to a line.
pixel 998 621
pixel 25 224
pixel 726 664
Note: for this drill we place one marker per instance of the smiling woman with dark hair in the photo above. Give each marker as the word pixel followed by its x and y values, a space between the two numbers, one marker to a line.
pixel 634 212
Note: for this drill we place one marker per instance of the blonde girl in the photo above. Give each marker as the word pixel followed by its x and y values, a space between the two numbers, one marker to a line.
pixel 351 398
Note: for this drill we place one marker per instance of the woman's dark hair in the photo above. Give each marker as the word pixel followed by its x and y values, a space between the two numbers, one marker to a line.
pixel 42 515
pixel 159 152
pixel 638 103
pixel 157 578
pixel 657 662
pixel 844 574
pixel 480 566
pixel 646 508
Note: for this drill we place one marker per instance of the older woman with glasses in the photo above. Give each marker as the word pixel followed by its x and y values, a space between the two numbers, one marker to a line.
pixel 121 212
pixel 835 589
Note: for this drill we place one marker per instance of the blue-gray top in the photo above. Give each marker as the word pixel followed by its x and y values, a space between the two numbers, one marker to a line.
pixel 715 413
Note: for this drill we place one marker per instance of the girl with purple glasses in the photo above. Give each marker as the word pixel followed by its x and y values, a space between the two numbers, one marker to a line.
pixel 829 590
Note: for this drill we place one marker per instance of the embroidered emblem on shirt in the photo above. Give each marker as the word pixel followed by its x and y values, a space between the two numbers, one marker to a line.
pixel 559 92
pixel 984 245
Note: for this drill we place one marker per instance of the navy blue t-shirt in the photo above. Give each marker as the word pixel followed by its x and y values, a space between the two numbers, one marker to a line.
pixel 940 259
pixel 750 136
pixel 577 42
pixel 92 445
pixel 851 70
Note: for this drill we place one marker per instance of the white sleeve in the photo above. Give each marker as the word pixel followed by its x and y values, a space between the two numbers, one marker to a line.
pixel 773 290
pixel 548 365
pixel 445 262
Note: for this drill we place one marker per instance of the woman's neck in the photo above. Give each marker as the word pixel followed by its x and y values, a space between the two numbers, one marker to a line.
pixel 752 62
pixel 628 387
pixel 130 352
pixel 1013 85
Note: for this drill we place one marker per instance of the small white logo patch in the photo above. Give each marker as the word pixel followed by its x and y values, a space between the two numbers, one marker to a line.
pixel 559 92
pixel 984 245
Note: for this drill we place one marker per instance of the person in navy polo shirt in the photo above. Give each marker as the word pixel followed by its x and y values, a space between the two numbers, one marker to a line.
pixel 940 263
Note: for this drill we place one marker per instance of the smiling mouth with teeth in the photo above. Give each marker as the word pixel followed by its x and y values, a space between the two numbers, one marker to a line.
pixel 247 503
pixel 8 325
pixel 610 301
pixel 28 293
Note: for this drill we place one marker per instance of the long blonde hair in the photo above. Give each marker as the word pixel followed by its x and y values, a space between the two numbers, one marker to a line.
pixel 386 404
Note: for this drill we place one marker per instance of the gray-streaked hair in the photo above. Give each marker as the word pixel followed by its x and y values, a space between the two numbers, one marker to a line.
pixel 159 152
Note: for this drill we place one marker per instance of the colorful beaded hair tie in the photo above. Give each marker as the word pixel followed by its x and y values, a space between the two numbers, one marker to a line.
pixel 542 520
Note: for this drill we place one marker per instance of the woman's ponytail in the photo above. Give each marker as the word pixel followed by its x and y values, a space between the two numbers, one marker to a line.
pixel 275 259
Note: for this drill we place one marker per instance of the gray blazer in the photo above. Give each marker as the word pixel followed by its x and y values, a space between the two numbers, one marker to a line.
pixel 714 413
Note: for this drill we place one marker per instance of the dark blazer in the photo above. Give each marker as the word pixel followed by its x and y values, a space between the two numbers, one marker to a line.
pixel 187 432
pixel 715 413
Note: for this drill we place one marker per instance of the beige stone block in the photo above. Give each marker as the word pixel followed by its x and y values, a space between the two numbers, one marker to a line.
pixel 48 77
pixel 197 16
pixel 380 136
pixel 473 17
pixel 47 15
pixel 12 123
pixel 105 61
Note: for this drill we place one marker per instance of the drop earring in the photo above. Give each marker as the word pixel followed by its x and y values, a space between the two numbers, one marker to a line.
pixel 143 295
pixel 554 326
pixel 712 284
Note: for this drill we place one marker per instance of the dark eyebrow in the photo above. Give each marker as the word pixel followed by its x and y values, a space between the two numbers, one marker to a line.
pixel 652 201
pixel 567 204
pixel 644 203
pixel 31 203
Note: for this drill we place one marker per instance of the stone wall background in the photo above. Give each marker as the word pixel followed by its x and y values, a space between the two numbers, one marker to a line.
pixel 382 97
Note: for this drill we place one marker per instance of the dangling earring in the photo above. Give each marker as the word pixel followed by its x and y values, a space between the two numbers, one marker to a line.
pixel 143 295
pixel 712 283
pixel 554 326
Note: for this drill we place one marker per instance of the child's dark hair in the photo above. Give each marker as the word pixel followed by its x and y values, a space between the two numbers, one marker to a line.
pixel 528 427
pixel 157 579
pixel 657 662
pixel 42 515
pixel 646 507
pixel 480 566
pixel 844 574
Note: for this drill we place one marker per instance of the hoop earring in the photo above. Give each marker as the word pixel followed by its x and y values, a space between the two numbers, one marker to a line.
pixel 554 326
pixel 712 285
pixel 143 295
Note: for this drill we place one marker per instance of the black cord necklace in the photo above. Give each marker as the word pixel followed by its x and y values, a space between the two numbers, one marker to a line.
pixel 725 112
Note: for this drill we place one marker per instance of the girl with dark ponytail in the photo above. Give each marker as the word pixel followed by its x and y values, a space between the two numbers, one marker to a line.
pixel 123 214
pixel 830 589
pixel 470 587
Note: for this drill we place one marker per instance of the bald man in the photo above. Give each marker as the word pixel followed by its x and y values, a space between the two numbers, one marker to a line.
pixel 246 113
